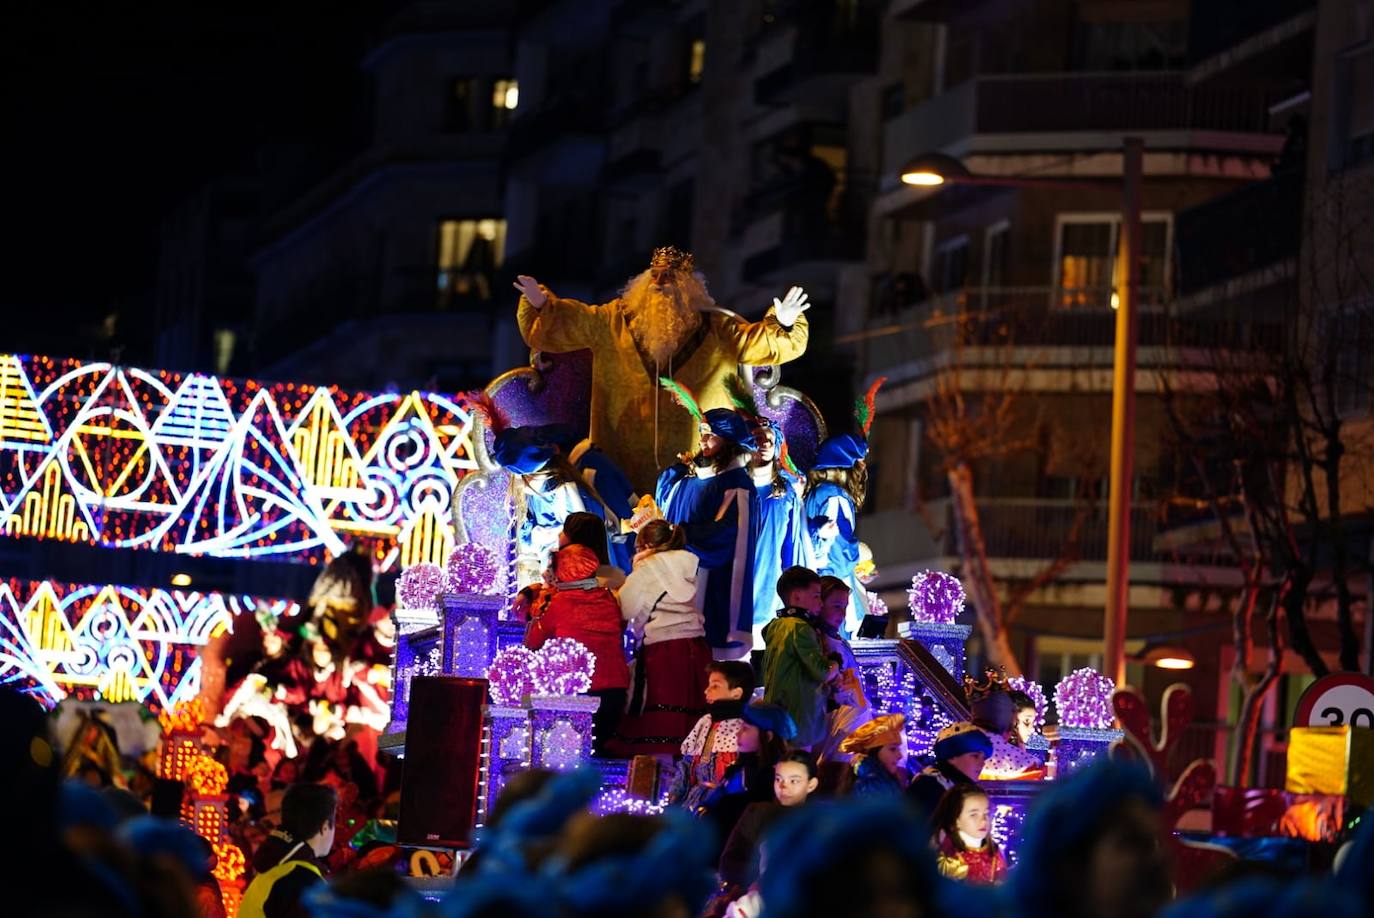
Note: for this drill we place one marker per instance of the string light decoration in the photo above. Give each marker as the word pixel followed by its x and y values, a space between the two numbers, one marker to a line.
pixel 474 568
pixel 618 800
pixel 563 666
pixel 196 464
pixel 114 643
pixel 228 870
pixel 206 777
pixel 511 675
pixel 1031 689
pixel 936 597
pixel 419 586
pixel 1083 699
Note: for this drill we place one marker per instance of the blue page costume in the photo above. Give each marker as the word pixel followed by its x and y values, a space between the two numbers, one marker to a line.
pixel 719 511
pixel 831 518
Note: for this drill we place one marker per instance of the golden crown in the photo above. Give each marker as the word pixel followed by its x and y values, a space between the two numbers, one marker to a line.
pixel 994 680
pixel 672 257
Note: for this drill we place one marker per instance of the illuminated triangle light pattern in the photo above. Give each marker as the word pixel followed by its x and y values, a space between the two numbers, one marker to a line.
pixel 113 643
pixel 195 464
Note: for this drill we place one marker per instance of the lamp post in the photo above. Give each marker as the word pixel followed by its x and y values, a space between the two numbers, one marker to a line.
pixel 935 169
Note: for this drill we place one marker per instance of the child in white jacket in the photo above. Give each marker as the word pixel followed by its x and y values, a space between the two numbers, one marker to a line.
pixel 660 600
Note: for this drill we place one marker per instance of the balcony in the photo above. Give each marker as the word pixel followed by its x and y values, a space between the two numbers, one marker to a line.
pixel 798 228
pixel 830 43
pixel 634 155
pixel 995 326
pixel 1071 103
pixel 1041 529
pixel 1252 228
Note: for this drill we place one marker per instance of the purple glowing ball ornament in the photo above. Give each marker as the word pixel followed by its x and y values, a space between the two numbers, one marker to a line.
pixel 474 569
pixel 419 586
pixel 563 667
pixel 935 597
pixel 1031 688
pixel 1084 700
pixel 511 675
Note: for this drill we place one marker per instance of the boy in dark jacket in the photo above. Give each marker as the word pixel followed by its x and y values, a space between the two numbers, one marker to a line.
pixel 291 860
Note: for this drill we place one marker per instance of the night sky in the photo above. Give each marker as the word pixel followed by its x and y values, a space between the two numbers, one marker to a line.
pixel 115 111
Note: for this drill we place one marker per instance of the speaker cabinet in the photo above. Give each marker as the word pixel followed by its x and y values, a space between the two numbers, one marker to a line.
pixel 443 762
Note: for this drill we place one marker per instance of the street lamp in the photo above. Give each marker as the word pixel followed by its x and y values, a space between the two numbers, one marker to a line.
pixel 932 170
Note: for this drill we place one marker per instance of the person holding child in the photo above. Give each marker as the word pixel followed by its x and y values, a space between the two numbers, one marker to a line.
pixel 796 669
pixel 963 840
pixel 660 601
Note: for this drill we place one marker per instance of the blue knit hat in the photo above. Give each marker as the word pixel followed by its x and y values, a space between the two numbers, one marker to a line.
pixel 522 451
pixel 959 738
pixel 771 717
pixel 730 426
pixel 840 452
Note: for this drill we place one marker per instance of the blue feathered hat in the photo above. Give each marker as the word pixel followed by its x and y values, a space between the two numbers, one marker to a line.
pixel 559 435
pixel 840 452
pixel 676 860
pixel 1062 821
pixel 730 426
pixel 771 717
pixel 1267 896
pixel 959 738
pixel 522 451
pixel 153 835
pixel 818 834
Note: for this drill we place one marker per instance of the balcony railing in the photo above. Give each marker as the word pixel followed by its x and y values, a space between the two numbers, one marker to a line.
pixel 1250 228
pixel 979 319
pixel 1044 529
pixel 1073 103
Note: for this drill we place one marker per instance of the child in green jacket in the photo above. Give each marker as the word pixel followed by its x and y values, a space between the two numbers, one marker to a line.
pixel 795 667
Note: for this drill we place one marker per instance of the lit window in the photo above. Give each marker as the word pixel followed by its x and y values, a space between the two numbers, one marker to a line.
pixel 505 94
pixel 224 350
pixel 1087 260
pixel 696 60
pixel 470 252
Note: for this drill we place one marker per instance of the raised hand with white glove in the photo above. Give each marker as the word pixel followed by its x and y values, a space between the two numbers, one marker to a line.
pixel 790 307
pixel 529 288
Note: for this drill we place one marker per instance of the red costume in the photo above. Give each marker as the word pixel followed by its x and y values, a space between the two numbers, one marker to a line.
pixel 979 866
pixel 580 608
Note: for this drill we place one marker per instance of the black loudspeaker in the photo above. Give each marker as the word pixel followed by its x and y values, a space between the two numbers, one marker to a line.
pixel 443 762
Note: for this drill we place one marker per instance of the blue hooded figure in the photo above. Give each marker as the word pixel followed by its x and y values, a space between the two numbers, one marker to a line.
pixel 836 485
pixel 548 490
pixel 712 497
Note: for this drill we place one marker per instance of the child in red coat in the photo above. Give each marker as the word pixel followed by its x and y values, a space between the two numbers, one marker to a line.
pixel 965 849
pixel 578 607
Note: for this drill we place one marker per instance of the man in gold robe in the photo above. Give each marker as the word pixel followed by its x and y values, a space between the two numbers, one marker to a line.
pixel 662 324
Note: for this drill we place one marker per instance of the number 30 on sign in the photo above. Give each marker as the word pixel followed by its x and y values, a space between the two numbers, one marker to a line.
pixel 1337 700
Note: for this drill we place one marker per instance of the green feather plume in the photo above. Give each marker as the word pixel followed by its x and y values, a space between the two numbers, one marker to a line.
pixel 865 408
pixel 682 395
pixel 741 396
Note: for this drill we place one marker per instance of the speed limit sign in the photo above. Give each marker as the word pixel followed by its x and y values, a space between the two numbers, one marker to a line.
pixel 1337 700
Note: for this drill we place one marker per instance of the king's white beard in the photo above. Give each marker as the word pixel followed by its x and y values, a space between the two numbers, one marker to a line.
pixel 661 324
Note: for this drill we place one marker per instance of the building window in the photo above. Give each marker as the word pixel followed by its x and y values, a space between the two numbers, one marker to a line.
pixel 995 254
pixel 1085 262
pixel 951 264
pixel 225 340
pixel 1128 46
pixel 505 97
pixel 696 60
pixel 458 107
pixel 1352 142
pixel 893 101
pixel 470 252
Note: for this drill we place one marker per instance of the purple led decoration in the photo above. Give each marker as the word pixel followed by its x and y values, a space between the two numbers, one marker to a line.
pixel 1084 700
pixel 508 747
pixel 419 586
pixel 470 624
pixel 561 727
pixel 563 667
pixel 417 654
pixel 935 597
pixel 1037 694
pixel 511 675
pixel 474 569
